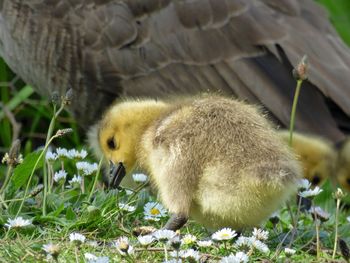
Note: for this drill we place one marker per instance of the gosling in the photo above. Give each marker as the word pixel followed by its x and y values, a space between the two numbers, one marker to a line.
pixel 317 156
pixel 343 165
pixel 214 159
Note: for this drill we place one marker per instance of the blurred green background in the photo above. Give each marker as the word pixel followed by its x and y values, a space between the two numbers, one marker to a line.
pixel 339 11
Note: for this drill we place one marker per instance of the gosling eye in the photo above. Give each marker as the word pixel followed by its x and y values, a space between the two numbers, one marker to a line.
pixel 111 144
pixel 316 179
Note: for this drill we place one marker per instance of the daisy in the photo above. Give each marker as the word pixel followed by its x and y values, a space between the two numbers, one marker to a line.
pixel 154 211
pixel 348 218
pixel 60 176
pixel 163 235
pixel 52 249
pixel 145 240
pixel 91 258
pixel 123 246
pixel 139 178
pixel 243 241
pixel 289 251
pixel 87 168
pixel 77 238
pixel 304 184
pixel 310 193
pixel 188 239
pixel 128 208
pixel 76 181
pixel 262 247
pixel 50 156
pixel 62 153
pixel 204 243
pixel 18 222
pixel 260 234
pixel 74 154
pixel 224 234
pixel 190 253
pixel 320 213
pixel 237 258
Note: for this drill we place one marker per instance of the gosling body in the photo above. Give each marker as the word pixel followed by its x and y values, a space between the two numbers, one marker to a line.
pixel 343 165
pixel 214 159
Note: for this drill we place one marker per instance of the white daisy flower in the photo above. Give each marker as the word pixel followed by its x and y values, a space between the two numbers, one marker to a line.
pixel 18 222
pixel 77 238
pixel 262 247
pixel 89 256
pixel 289 251
pixel 252 242
pixel 51 249
pixel 189 253
pixel 309 193
pixel 74 154
pixel 154 211
pixel 260 234
pixel 243 241
pixel 129 192
pixel 224 234
pixel 237 258
pixel 204 243
pixel 164 234
pixel 123 246
pixel 76 181
pixel 87 168
pixel 60 176
pixel 320 213
pixel 139 178
pixel 304 184
pixel 188 239
pixel 348 218
pixel 173 261
pixel 128 208
pixel 62 153
pixel 50 156
pixel 145 240
pixel 92 243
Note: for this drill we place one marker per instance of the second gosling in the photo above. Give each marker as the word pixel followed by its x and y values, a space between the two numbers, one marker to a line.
pixel 214 159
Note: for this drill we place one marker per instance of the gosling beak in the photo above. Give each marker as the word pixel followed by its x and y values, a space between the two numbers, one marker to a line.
pixel 117 173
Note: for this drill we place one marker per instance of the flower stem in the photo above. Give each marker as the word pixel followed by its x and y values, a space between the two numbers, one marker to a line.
pixel 336 228
pixel 294 107
pixel 7 179
pixel 95 179
pixel 47 188
pixel 32 173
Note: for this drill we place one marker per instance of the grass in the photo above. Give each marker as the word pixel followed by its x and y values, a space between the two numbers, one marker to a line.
pixel 89 209
pixel 92 210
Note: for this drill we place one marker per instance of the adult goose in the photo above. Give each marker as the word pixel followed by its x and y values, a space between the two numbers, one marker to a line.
pixel 104 49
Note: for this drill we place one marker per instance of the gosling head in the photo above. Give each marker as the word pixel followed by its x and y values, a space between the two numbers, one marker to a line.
pixel 319 172
pixel 121 129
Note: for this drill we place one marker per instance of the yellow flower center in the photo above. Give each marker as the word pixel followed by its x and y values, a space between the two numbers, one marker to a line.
pixel 155 211
pixel 225 235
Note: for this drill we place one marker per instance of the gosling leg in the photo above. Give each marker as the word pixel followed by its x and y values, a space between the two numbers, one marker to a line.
pixel 175 222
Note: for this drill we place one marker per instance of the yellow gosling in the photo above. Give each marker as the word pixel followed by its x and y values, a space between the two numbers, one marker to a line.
pixel 214 159
pixel 317 155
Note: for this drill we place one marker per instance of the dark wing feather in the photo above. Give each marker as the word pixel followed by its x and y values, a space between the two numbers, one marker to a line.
pixel 108 48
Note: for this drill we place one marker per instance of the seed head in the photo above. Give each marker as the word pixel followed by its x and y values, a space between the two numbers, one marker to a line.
pixel 301 70
pixel 63 132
